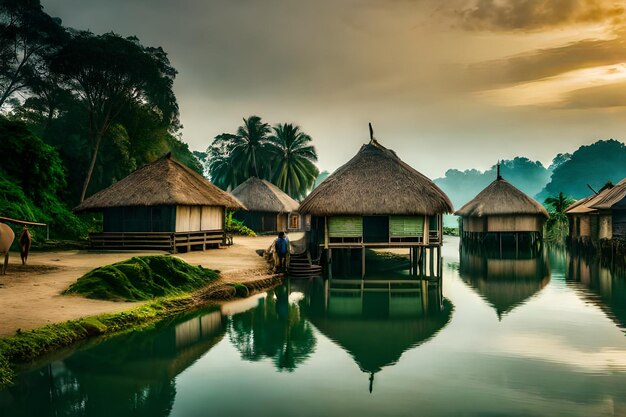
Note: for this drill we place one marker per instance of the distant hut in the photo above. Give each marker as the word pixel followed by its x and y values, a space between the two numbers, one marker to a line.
pixel 269 208
pixel 502 210
pixel 162 205
pixel 612 206
pixel 588 224
pixel 376 201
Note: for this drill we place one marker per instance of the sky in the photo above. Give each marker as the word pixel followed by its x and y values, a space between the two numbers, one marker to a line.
pixel 446 84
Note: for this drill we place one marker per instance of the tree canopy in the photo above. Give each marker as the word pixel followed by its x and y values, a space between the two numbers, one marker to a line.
pixel 282 155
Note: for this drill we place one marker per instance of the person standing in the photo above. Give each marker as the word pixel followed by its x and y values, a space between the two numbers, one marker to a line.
pixel 281 245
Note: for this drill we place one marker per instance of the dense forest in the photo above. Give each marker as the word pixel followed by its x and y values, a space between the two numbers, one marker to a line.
pixel 79 111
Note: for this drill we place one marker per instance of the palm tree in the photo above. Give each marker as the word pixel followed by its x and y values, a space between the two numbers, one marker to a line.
pixel 558 203
pixel 251 152
pixel 293 160
pixel 557 225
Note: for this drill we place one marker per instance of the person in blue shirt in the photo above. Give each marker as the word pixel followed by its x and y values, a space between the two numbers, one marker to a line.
pixel 281 245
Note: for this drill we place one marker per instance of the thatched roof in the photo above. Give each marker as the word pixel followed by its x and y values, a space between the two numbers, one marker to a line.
pixel 162 182
pixel 593 202
pixel 606 200
pixel 261 195
pixel 376 181
pixel 501 198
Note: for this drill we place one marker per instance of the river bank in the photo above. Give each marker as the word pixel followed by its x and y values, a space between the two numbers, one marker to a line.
pixel 36 319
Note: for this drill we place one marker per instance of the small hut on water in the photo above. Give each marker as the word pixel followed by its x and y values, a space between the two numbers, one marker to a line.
pixel 376 201
pixel 599 216
pixel 501 210
pixel 162 205
pixel 269 208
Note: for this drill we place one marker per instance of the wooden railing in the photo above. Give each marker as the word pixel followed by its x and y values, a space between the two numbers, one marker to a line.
pixel 167 241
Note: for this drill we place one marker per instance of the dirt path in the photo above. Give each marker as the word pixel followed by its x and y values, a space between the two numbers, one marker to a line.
pixel 30 296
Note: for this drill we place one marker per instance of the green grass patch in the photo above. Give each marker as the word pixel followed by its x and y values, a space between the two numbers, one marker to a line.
pixel 142 278
pixel 28 345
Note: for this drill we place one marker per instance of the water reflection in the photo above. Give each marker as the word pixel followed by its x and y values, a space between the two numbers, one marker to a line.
pixel 504 280
pixel 598 285
pixel 376 327
pixel 129 374
pixel 273 329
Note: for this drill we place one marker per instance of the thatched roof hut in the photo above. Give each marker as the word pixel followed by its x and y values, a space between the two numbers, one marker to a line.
pixel 162 205
pixel 263 196
pixel 376 182
pixel 502 208
pixel 269 208
pixel 501 198
pixel 162 182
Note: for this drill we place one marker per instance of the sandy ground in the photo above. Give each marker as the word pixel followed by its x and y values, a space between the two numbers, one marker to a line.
pixel 30 295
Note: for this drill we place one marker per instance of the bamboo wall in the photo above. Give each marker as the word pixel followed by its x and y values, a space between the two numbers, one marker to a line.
pixel 515 223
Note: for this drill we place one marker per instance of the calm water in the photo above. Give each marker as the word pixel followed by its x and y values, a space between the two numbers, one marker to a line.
pixel 540 336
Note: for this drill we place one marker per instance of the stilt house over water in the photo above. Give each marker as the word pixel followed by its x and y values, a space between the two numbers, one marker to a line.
pixel 599 216
pixel 376 201
pixel 500 211
pixel 269 208
pixel 162 205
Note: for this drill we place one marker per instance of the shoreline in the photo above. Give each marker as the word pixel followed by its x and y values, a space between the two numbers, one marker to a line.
pixel 28 346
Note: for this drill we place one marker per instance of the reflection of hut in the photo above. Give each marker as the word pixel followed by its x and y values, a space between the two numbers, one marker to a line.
pixel 163 205
pixel 599 216
pixel 269 208
pixel 502 209
pixel 376 200
pixel 134 374
pixel 599 286
pixel 376 328
pixel 504 283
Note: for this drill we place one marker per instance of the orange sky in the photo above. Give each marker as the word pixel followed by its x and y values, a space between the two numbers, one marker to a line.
pixel 454 84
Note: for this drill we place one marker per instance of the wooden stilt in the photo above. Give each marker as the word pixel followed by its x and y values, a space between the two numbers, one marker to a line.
pixel 363 262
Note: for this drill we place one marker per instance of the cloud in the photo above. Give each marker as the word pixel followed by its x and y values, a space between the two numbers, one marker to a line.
pixel 534 15
pixel 549 62
pixel 605 96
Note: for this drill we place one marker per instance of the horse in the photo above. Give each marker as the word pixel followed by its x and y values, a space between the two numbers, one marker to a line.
pixel 25 242
pixel 6 240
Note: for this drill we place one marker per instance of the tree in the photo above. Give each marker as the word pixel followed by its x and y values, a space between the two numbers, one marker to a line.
pixel 109 74
pixel 235 158
pixel 251 150
pixel 559 203
pixel 593 165
pixel 293 160
pixel 557 225
pixel 28 39
pixel 221 169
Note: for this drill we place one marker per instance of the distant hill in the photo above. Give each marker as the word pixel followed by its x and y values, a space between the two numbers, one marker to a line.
pixel 462 186
pixel 593 164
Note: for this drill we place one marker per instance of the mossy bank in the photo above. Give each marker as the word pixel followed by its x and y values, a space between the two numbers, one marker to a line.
pixel 135 278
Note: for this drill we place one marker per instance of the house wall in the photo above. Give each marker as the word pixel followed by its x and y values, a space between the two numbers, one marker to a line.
pixel 139 219
pixel 196 218
pixel 474 224
pixel 619 223
pixel 515 223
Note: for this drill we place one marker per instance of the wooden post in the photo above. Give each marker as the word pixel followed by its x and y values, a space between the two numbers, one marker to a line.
pixel 432 263
pixel 363 262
